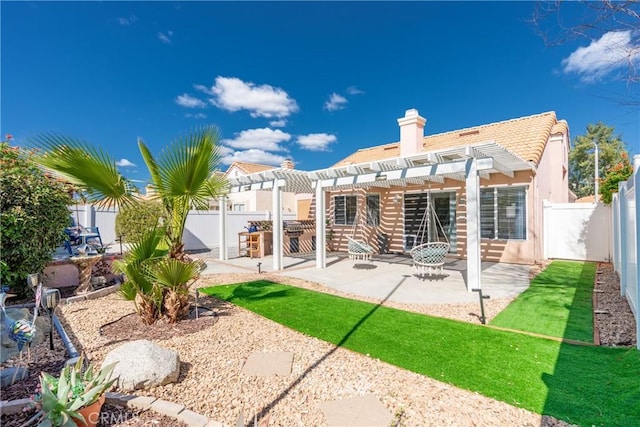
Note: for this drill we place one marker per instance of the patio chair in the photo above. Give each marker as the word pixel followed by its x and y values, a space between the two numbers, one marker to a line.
pixel 429 258
pixel 91 233
pixel 358 250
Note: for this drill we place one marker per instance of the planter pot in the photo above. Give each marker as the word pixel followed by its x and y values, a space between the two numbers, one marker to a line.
pixel 91 413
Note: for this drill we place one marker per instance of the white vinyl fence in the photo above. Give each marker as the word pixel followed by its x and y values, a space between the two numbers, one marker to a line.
pixel 577 231
pixel 201 230
pixel 626 239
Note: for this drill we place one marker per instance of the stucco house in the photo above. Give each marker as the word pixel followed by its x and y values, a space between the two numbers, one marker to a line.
pixel 391 217
pixel 485 186
pixel 256 200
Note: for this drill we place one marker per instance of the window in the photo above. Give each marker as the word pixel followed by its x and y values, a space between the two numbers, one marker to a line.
pixel 294 245
pixel 373 209
pixel 503 213
pixel 238 207
pixel 345 208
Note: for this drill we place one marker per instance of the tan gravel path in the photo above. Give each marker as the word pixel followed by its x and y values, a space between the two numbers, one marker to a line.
pixel 211 383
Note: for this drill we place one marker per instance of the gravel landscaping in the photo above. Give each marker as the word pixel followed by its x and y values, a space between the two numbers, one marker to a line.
pixel 214 350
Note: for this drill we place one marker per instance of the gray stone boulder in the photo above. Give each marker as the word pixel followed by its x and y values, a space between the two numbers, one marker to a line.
pixel 143 364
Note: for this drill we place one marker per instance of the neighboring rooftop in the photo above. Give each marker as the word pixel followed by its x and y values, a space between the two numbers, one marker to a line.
pixel 249 168
pixel 525 137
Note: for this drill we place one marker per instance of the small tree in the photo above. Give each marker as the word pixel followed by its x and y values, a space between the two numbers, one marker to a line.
pixel 33 215
pixel 182 179
pixel 582 157
pixel 132 224
pixel 619 173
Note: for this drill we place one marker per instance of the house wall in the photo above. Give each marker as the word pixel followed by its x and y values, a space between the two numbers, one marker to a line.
pixel 550 183
pixel 392 220
pixel 261 200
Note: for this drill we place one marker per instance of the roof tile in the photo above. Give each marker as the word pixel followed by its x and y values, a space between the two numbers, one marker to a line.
pixel 525 137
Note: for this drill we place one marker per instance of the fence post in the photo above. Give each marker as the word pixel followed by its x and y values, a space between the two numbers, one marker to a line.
pixel 636 191
pixel 615 226
pixel 624 226
pixel 546 214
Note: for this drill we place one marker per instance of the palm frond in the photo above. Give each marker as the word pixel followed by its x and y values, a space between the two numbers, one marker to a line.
pixel 174 274
pixel 188 163
pixel 152 165
pixel 147 247
pixel 86 166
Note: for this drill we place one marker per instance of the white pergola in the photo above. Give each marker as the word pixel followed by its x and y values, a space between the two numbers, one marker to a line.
pixel 467 164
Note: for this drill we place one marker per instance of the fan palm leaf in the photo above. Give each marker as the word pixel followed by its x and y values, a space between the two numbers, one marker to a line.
pixel 175 274
pixel 87 167
pixel 138 265
pixel 182 176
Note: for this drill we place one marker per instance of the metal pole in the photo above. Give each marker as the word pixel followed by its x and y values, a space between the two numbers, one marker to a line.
pixel 597 172
pixel 197 309
pixel 50 328
pixel 483 319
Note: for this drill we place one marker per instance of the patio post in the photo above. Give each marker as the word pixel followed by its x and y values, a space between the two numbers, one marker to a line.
pixel 222 224
pixel 277 225
pixel 474 270
pixel 321 232
pixel 623 236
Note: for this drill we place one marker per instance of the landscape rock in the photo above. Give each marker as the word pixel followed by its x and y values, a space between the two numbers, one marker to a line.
pixel 143 364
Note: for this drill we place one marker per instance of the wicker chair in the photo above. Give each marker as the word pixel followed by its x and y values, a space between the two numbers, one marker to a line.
pixel 429 258
pixel 359 250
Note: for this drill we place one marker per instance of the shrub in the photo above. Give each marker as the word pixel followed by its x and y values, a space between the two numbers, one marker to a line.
pixel 619 173
pixel 133 223
pixel 33 215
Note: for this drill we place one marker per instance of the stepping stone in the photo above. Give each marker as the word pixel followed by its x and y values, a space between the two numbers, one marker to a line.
pixel 268 364
pixel 357 411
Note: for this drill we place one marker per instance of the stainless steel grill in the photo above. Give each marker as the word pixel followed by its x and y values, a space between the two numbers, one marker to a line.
pixel 293 228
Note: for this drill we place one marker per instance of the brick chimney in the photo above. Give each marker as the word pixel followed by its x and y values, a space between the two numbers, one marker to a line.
pixel 411 132
pixel 287 164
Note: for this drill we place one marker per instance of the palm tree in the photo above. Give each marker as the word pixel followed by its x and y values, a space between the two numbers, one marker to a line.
pixel 182 179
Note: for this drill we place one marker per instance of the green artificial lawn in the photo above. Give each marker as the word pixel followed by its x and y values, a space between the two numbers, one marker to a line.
pixel 558 303
pixel 579 384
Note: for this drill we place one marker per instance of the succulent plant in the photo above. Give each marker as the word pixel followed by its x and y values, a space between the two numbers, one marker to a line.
pixel 61 397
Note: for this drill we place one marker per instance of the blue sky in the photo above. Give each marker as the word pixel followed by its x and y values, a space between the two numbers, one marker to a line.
pixel 308 81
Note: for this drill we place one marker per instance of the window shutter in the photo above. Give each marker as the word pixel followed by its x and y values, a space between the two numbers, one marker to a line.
pixel 512 213
pixel 487 214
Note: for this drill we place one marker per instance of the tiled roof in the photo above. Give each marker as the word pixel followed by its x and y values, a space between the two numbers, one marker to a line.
pixel 586 199
pixel 525 137
pixel 249 168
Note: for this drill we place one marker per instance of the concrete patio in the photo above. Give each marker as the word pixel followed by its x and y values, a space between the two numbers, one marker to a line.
pixel 389 277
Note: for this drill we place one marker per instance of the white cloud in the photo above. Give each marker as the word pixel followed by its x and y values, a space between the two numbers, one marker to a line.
pixel 278 123
pixel 196 116
pixel 127 20
pixel 264 139
pixel 224 151
pixel 254 156
pixel 316 141
pixel 203 88
pixel 165 37
pixel 124 163
pixel 613 50
pixel 189 101
pixel 352 90
pixel 232 94
pixel 335 102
